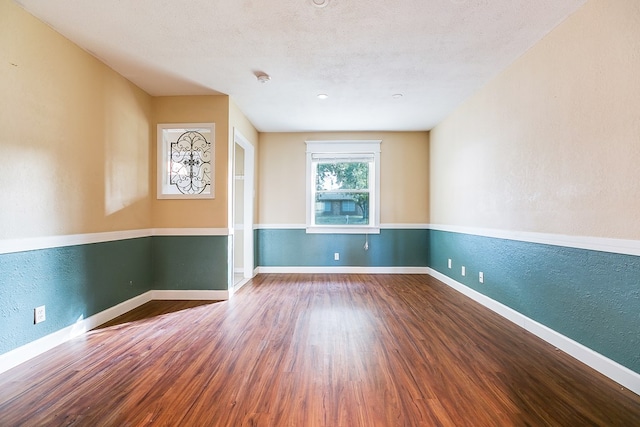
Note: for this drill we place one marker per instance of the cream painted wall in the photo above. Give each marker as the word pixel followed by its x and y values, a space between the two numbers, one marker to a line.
pixel 404 188
pixel 195 213
pixel 237 120
pixel 551 145
pixel 75 137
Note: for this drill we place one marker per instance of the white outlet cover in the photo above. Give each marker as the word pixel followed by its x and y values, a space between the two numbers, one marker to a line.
pixel 40 314
pixel 449 263
pixel 464 271
pixel 481 277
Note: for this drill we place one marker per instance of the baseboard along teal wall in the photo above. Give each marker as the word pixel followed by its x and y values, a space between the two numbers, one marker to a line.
pixel 589 296
pixel 297 248
pixel 76 282
pixel 73 283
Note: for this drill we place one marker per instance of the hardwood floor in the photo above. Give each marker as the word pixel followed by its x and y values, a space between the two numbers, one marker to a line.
pixel 313 350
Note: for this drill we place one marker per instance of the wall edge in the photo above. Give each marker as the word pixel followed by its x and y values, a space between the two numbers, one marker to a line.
pixel 602 244
pixel 611 369
pixel 342 270
pixel 35 348
pixel 30 350
pixel 8 246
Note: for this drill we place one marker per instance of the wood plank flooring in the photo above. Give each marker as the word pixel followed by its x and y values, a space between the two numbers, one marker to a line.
pixel 313 350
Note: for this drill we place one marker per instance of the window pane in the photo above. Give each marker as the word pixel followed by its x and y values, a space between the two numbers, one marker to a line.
pixel 348 206
pixel 336 208
pixel 342 176
pixel 342 186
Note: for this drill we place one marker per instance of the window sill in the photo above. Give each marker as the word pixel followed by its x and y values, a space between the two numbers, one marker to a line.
pixel 342 230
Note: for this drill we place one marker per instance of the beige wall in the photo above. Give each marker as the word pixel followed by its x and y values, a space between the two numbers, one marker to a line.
pixel 237 120
pixel 404 188
pixel 75 137
pixel 82 140
pixel 195 213
pixel 552 144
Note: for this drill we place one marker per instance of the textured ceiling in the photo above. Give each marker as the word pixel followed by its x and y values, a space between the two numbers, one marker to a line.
pixel 434 52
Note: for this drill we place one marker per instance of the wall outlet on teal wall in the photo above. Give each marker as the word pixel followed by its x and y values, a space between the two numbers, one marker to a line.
pixel 39 314
pixel 296 248
pixel 553 285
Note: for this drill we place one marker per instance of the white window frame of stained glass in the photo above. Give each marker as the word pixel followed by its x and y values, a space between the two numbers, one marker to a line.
pixel 186 161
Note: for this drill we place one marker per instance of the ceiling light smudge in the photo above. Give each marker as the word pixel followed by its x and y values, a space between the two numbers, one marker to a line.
pixel 263 77
pixel 320 3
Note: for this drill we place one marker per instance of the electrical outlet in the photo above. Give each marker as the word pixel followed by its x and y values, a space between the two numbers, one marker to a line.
pixel 464 271
pixel 336 256
pixel 481 277
pixel 39 315
pixel 449 263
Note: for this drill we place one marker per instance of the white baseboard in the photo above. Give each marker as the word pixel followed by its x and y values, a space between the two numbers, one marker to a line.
pixel 29 351
pixel 621 374
pixel 344 270
pixel 240 284
pixel 34 348
pixel 190 295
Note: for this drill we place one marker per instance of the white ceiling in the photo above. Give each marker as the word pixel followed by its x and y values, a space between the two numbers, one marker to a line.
pixel 435 52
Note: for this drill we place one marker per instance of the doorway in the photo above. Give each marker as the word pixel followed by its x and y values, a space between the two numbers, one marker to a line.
pixel 241 247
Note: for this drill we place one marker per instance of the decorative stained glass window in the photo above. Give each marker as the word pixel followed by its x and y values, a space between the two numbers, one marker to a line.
pixel 186 161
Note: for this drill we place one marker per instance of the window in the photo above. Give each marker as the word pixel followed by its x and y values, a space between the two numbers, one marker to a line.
pixel 343 186
pixel 185 161
pixel 349 206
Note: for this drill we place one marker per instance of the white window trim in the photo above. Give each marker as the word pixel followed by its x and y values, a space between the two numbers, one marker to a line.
pixel 162 161
pixel 345 147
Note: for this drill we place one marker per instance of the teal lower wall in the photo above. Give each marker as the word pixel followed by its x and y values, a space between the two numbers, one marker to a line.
pixel 73 282
pixel 190 262
pixel 76 282
pixel 589 296
pixel 296 248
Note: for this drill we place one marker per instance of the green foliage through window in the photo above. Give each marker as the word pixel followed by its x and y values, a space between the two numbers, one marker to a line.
pixel 339 187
